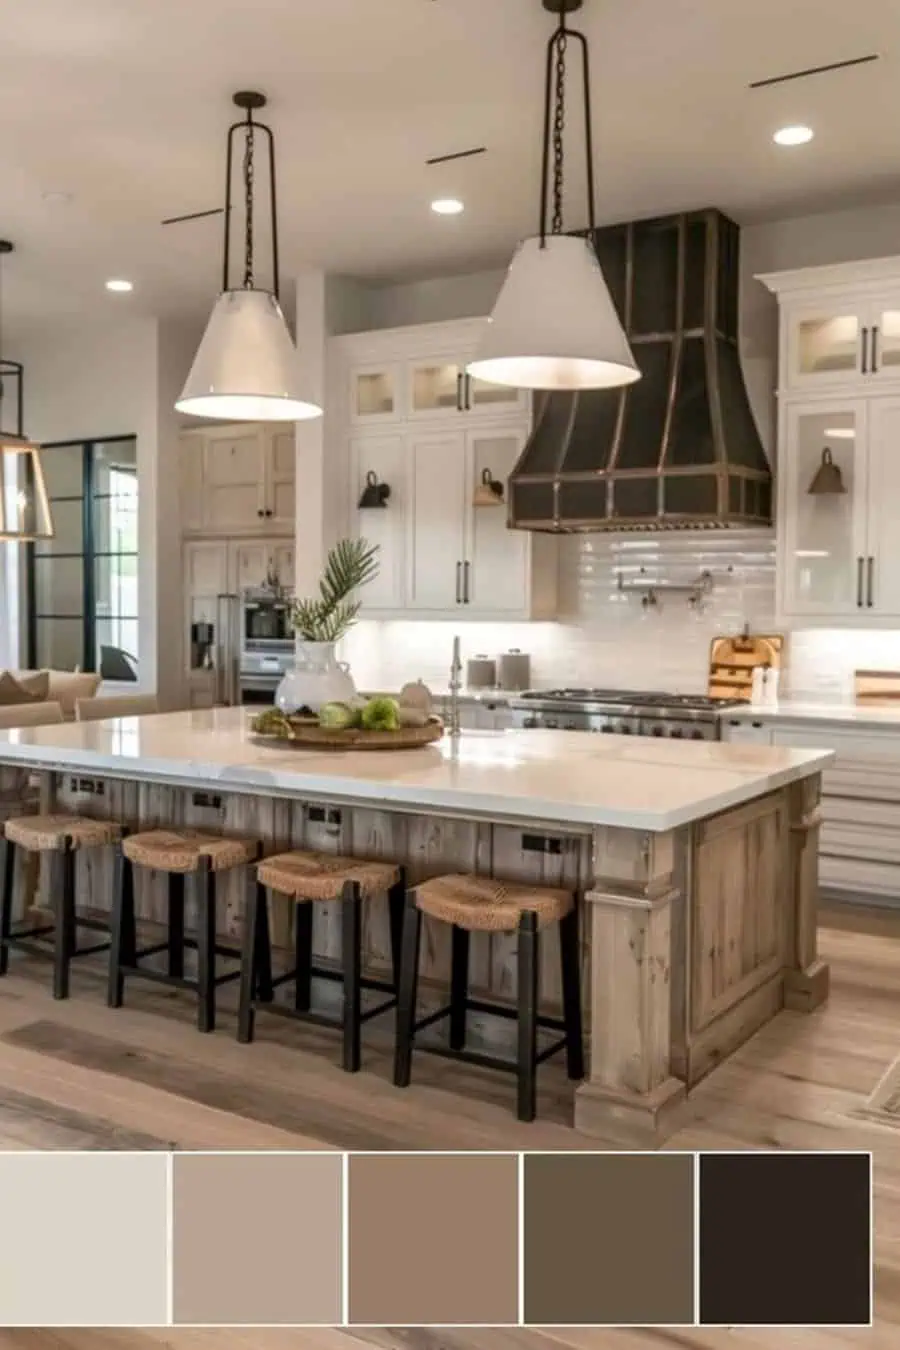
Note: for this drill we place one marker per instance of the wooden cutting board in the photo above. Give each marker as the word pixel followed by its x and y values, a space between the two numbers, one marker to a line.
pixel 732 659
pixel 877 688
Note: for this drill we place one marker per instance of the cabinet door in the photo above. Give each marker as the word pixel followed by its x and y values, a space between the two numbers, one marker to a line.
pixel 281 459
pixel 190 452
pixel 823 547
pixel 234 481
pixel 436 387
pixel 825 345
pixel 375 393
pixel 497 575
pixel 884 340
pixel 283 559
pixel 384 527
pixel 492 400
pixel 882 581
pixel 439 501
pixel 250 564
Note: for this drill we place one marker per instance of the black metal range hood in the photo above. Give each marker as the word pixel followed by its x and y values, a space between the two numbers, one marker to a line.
pixel 680 448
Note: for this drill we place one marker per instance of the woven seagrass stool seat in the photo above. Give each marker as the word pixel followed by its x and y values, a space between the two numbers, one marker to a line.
pixel 469 905
pixel 57 838
pixel 309 878
pixel 181 854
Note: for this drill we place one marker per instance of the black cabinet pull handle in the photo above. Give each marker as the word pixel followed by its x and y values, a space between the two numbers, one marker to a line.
pixel 459 583
pixel 874 350
pixel 468 379
pixel 860 562
pixel 871 588
pixel 865 351
pixel 459 391
pixel 466 596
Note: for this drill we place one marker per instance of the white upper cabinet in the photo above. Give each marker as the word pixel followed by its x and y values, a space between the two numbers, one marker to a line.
pixel 839 326
pixel 419 375
pixel 237 479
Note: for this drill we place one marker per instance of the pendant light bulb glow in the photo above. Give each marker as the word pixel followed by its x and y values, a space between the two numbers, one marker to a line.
pixel 246 368
pixel 554 325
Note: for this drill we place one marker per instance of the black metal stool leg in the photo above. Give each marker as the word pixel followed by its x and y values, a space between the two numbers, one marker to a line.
pixel 406 998
pixel 176 924
pixel 256 899
pixel 303 940
pixel 571 992
pixel 351 935
pixel 64 937
pixel 205 879
pixel 8 849
pixel 262 961
pixel 528 1008
pixel 459 987
pixel 396 906
pixel 115 991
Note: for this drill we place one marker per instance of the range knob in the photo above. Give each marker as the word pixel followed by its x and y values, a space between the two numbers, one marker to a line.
pixel 530 723
pixel 551 723
pixel 697 736
pixel 607 730
pixel 657 731
pixel 624 730
pixel 571 726
pixel 676 733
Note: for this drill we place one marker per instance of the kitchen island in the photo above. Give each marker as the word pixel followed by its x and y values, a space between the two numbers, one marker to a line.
pixel 697 863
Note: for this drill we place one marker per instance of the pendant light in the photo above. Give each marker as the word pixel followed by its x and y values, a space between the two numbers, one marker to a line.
pixel 24 507
pixel 554 325
pixel 246 367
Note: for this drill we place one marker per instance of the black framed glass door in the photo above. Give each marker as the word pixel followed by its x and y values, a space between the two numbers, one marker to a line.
pixel 82 599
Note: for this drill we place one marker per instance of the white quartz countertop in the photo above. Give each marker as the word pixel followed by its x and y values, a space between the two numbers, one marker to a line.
pixel 559 777
pixel 837 713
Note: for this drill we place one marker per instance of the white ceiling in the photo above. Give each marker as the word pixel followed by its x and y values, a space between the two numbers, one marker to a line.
pixel 124 104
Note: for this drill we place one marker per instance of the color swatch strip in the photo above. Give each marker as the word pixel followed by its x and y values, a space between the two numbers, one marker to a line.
pixel 435 1239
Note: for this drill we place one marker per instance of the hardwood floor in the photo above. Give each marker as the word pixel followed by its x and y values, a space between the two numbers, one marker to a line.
pixel 76 1076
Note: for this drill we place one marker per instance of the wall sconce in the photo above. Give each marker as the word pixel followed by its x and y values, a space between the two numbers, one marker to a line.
pixel 827 481
pixel 489 491
pixel 375 495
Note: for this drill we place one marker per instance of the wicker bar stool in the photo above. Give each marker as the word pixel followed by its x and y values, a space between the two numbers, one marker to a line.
pixel 308 878
pixel 180 853
pixel 59 838
pixel 478 904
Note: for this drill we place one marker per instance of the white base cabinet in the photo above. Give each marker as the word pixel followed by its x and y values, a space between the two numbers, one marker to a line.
pixel 419 426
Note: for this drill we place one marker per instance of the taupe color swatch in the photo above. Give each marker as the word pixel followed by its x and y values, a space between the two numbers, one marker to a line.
pixel 257 1239
pixel 433 1239
pixel 609 1239
pixel 83 1239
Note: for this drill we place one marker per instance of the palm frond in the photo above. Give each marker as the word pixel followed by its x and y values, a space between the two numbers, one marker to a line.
pixel 350 564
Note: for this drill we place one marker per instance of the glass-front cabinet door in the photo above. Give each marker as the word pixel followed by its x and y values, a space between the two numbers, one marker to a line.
pixel 494 399
pixel 826 345
pixel 436 386
pixel 824 504
pixel 884 340
pixel 375 393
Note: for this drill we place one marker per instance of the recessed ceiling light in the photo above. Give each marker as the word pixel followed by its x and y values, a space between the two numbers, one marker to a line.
pixel 793 136
pixel 447 206
pixel 119 285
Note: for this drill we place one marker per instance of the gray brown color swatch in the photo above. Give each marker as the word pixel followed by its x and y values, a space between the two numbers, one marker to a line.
pixel 609 1239
pixel 433 1240
pixel 257 1239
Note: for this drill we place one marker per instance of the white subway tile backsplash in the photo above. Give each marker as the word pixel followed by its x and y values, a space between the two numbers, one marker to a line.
pixel 604 637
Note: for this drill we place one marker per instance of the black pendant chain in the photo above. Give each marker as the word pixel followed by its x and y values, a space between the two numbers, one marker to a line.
pixel 553 175
pixel 248 206
pixel 559 127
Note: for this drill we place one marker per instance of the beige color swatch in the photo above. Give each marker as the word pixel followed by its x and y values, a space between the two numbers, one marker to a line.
pixel 433 1239
pixel 257 1239
pixel 83 1239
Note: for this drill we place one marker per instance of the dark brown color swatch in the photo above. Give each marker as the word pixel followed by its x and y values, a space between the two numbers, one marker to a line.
pixel 256 1239
pixel 609 1239
pixel 785 1239
pixel 433 1239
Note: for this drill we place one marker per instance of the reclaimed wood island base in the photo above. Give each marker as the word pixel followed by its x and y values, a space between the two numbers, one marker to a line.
pixel 696 862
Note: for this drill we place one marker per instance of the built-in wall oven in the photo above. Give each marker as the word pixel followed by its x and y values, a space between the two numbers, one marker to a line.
pixel 267 644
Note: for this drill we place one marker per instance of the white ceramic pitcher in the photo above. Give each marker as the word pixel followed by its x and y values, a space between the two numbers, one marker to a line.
pixel 316 679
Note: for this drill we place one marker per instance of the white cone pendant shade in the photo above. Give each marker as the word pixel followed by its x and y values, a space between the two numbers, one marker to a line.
pixel 246 367
pixel 554 325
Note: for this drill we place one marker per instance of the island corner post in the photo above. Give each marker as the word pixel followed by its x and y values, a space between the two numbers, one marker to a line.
pixel 698 937
pixel 692 938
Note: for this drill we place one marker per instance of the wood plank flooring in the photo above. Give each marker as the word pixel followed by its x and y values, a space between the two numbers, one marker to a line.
pixel 76 1075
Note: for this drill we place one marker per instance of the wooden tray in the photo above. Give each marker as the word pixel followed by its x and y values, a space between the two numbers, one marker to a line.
pixel 313 737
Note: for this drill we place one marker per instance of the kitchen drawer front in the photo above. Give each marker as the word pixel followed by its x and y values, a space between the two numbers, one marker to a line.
pixel 866 767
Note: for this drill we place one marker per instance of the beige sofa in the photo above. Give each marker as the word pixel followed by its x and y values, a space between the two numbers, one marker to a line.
pixel 30 687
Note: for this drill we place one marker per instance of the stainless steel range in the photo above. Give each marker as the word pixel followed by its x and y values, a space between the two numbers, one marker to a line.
pixel 622 713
